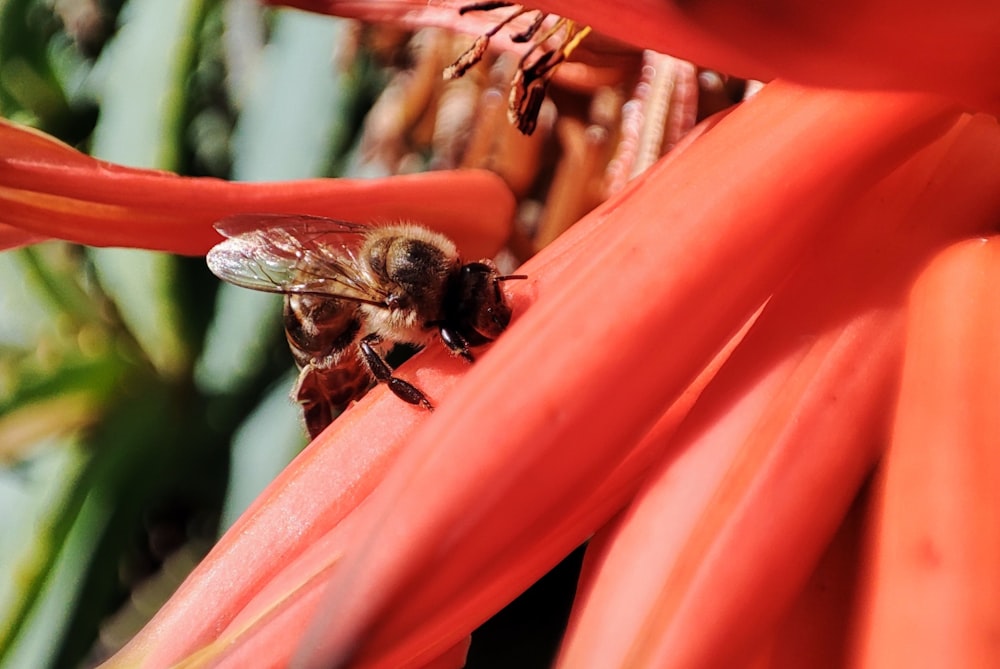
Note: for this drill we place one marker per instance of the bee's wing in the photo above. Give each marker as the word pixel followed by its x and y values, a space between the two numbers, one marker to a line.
pixel 293 254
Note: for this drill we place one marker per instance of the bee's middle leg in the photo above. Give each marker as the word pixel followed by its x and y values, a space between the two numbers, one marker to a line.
pixel 382 372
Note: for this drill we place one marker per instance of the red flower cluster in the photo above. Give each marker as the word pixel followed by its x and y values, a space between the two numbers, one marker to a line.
pixel 700 376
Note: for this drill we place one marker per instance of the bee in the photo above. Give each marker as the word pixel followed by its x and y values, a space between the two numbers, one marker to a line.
pixel 351 290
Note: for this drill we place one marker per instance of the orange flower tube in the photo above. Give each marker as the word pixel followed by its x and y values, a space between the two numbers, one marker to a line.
pixel 934 589
pixel 946 48
pixel 49 189
pixel 684 256
pixel 815 630
pixel 775 449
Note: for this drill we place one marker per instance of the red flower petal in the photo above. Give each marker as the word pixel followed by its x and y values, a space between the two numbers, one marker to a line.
pixel 11 237
pixel 50 189
pixel 815 631
pixel 494 476
pixel 947 48
pixel 934 587
pixel 712 552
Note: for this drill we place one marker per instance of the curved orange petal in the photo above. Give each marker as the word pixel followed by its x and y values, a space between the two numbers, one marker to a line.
pixel 815 631
pixel 12 238
pixel 685 256
pixel 934 587
pixel 49 189
pixel 482 496
pixel 715 548
pixel 946 48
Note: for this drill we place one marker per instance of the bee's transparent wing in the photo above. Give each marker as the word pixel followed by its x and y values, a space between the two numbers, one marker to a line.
pixel 280 253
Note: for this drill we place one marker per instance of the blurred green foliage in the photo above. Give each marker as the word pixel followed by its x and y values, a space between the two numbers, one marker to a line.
pixel 143 405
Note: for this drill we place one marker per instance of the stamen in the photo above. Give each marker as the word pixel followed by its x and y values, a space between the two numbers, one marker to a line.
pixel 530 82
pixel 530 31
pixel 474 53
pixel 527 93
pixel 469 58
pixel 483 7
pixel 528 87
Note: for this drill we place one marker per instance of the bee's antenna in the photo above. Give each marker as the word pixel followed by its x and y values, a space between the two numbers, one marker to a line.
pixel 512 277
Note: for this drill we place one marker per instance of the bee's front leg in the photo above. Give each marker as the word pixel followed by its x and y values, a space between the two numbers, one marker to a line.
pixel 382 372
pixel 455 342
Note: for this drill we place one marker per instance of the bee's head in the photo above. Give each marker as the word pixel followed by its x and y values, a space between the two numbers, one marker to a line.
pixel 481 304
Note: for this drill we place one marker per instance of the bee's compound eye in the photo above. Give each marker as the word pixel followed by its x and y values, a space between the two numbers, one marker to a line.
pixel 500 315
pixel 488 311
pixel 493 319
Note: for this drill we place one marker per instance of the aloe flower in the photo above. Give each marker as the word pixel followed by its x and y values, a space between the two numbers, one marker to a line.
pixel 949 49
pixel 935 545
pixel 699 378
pixel 49 190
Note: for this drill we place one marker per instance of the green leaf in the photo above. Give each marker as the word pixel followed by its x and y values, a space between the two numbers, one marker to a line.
pixel 266 442
pixel 25 316
pixel 143 286
pixel 42 491
pixel 29 88
pixel 140 81
pixel 63 400
pixel 245 326
pixel 288 124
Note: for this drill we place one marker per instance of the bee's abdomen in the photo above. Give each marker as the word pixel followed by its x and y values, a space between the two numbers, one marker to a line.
pixel 318 327
pixel 320 330
pixel 325 392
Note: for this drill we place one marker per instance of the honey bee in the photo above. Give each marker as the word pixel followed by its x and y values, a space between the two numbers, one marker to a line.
pixel 351 290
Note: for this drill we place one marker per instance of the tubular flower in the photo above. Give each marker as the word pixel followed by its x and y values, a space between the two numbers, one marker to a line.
pixel 48 189
pixel 794 420
pixel 931 598
pixel 401 545
pixel 948 49
pixel 700 374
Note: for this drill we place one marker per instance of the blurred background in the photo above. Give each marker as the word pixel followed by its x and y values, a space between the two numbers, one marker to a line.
pixel 143 404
